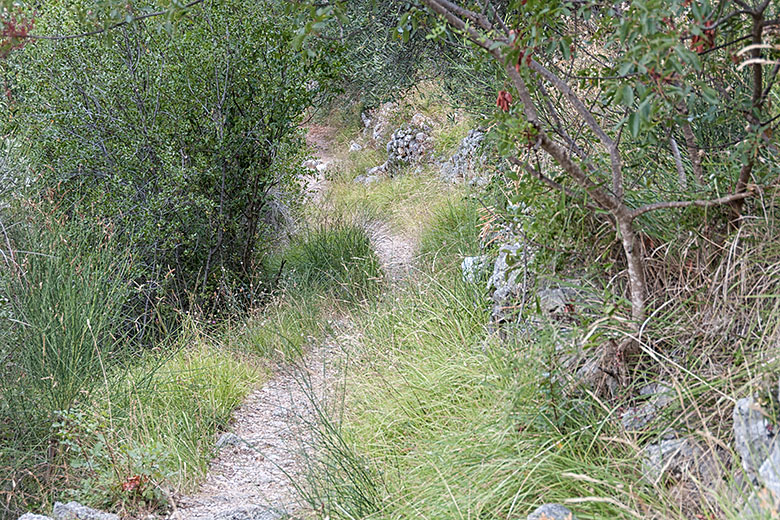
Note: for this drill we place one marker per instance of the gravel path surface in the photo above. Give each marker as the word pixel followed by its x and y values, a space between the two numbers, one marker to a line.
pixel 395 251
pixel 251 476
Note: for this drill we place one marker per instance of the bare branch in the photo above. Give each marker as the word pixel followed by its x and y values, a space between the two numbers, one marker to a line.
pixel 587 116
pixel 728 199
pixel 693 152
pixel 504 28
pixel 476 18
pixel 678 163
pixel 533 172
pixel 483 41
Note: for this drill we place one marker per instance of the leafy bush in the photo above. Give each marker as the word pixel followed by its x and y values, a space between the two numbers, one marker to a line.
pixel 186 144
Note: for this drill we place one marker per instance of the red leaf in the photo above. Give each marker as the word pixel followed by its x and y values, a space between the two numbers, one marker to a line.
pixel 504 100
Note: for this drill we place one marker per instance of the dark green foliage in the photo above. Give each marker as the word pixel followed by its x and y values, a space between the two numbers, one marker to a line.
pixel 388 49
pixel 185 144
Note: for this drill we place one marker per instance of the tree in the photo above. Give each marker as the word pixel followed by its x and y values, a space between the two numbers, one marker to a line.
pixel 607 92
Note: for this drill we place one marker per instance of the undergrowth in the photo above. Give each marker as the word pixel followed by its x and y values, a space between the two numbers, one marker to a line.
pixel 445 423
pixel 444 419
pixel 153 432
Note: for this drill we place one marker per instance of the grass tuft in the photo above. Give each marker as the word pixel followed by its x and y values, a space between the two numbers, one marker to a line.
pixel 336 258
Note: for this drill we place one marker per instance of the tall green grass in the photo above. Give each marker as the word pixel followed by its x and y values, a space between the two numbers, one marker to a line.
pixel 68 306
pixel 83 410
pixel 285 327
pixel 335 258
pixel 65 335
pixel 452 234
pixel 442 420
pixel 152 433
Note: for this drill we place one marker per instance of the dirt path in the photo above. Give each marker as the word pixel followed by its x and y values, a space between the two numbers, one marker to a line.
pixel 251 476
pixel 320 139
pixel 395 250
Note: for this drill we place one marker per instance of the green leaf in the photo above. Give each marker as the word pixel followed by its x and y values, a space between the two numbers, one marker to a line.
pixel 633 124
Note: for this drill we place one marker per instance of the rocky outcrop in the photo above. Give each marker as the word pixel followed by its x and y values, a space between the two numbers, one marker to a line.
pixel 508 283
pixel 473 268
pixel 318 165
pixel 468 162
pixel 753 435
pixel 408 145
pixel 657 396
pixel 681 459
pixel 71 511
pixel 377 122
pixel 367 180
pixel 756 441
pixel 76 511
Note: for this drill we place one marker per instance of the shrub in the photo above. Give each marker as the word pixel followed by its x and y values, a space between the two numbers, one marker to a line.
pixel 186 144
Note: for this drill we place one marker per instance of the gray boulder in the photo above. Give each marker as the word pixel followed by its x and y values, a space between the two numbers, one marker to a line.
pixel 33 516
pixel 355 147
pixel 76 511
pixel 765 502
pixel 555 300
pixel 377 170
pixel 683 459
pixel 753 435
pixel 658 396
pixel 366 179
pixel 769 472
pixel 507 283
pixel 552 512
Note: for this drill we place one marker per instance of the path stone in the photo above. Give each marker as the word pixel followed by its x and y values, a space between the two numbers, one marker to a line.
pixel 251 513
pixel 76 511
pixel 552 512
pixel 228 439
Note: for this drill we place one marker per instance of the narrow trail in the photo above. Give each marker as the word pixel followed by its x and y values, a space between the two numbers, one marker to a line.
pixel 251 476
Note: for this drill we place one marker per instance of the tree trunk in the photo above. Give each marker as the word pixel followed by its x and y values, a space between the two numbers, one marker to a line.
pixel 636 272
